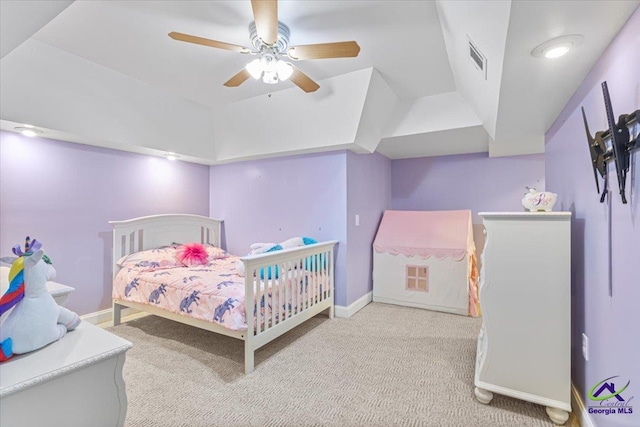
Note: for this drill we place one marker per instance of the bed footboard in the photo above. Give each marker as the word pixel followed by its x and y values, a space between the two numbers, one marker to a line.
pixel 283 289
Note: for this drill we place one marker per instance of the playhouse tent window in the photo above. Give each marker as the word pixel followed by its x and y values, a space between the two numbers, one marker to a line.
pixel 417 278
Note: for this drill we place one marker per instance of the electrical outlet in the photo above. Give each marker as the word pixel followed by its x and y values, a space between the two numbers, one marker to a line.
pixel 585 347
pixel 357 220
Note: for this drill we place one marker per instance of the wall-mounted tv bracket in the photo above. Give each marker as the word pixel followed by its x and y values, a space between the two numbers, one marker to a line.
pixel 614 143
pixel 599 153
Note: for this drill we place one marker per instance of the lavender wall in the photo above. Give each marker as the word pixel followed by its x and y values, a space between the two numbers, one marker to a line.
pixel 63 194
pixel 467 181
pixel 272 200
pixel 368 195
pixel 612 323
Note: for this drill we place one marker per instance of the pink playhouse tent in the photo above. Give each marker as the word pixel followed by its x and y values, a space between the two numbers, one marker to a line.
pixel 426 259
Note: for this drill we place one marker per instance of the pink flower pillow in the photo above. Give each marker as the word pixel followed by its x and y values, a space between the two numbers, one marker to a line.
pixel 151 259
pixel 212 253
pixel 192 254
pixel 215 252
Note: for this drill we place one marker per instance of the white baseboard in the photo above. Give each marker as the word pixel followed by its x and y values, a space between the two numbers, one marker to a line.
pixel 579 409
pixel 346 312
pixel 104 316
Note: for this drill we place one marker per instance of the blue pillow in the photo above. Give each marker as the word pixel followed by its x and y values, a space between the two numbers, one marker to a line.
pixel 319 259
pixel 307 261
pixel 308 241
pixel 273 249
pixel 269 273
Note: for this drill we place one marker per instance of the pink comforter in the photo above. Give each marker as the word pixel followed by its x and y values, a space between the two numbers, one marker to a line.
pixel 214 292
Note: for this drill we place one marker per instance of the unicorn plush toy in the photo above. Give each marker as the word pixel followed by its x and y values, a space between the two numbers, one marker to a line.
pixel 36 320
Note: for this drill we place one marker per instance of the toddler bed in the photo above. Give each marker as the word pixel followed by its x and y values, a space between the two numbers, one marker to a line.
pixel 279 290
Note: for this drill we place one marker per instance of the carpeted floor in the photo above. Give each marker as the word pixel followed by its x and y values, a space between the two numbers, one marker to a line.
pixel 386 366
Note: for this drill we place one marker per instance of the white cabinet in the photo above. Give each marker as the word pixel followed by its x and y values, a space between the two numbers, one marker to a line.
pixel 59 291
pixel 524 346
pixel 74 382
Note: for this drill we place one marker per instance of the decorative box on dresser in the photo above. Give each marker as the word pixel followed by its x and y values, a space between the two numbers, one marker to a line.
pixel 524 345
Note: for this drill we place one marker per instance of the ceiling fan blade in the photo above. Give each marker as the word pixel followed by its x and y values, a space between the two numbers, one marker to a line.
pixel 303 81
pixel 207 42
pixel 265 14
pixel 238 79
pixel 325 50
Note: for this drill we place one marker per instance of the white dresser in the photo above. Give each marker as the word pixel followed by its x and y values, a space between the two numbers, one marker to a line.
pixel 524 346
pixel 59 291
pixel 74 382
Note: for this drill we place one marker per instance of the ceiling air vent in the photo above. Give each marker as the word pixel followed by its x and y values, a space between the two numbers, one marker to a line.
pixel 477 58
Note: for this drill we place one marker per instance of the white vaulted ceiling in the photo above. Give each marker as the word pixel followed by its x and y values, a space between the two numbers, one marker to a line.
pixel 106 73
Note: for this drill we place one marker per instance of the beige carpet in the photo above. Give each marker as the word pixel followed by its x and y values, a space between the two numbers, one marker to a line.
pixel 386 366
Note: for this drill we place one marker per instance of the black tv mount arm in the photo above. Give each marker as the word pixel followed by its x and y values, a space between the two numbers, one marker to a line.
pixel 597 149
pixel 613 143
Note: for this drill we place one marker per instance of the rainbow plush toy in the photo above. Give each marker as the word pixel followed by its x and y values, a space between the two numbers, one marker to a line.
pixel 36 320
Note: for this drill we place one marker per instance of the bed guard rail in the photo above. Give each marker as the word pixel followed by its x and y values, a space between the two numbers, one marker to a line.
pixel 287 284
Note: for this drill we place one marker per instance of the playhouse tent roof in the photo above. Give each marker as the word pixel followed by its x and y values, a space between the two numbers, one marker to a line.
pixel 442 234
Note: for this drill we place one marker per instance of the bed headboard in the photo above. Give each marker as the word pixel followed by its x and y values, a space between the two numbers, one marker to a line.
pixel 148 232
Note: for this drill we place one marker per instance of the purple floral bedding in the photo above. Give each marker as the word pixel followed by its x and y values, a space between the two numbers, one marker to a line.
pixel 212 292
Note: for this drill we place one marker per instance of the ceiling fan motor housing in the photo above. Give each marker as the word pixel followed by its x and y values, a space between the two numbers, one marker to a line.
pixel 282 43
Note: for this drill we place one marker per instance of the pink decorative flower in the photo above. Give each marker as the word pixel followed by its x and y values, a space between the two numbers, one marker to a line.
pixel 191 254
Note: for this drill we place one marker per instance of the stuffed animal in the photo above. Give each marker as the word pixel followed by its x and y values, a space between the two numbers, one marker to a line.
pixel 36 320
pixel 259 248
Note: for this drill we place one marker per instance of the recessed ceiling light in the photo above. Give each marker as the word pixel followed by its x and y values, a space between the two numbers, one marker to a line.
pixel 556 52
pixel 28 130
pixel 557 47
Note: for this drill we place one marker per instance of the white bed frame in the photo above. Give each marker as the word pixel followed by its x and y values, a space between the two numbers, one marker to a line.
pixel 159 230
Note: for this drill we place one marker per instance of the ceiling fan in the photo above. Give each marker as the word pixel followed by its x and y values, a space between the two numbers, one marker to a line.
pixel 270 40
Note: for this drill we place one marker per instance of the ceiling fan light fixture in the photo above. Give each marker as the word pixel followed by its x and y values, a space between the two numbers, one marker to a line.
pixel 270 77
pixel 283 69
pixel 268 62
pixel 254 68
